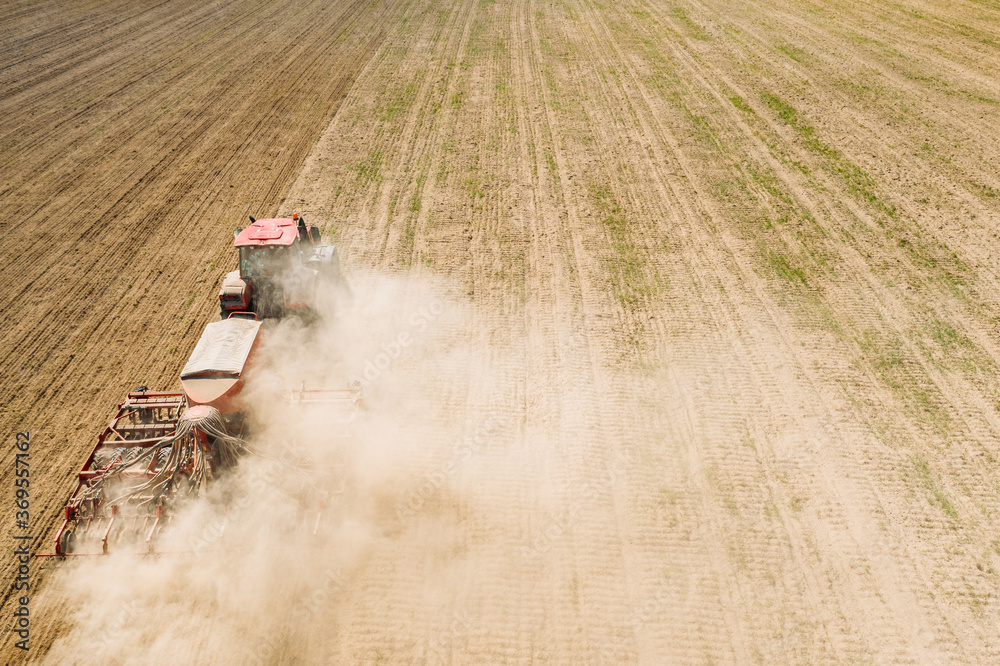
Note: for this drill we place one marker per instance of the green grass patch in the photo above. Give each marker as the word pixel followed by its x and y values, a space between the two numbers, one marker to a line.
pixel 788 113
pixel 475 184
pixel 370 168
pixel 551 162
pixel 780 264
pixel 984 190
pixel 883 353
pixel 945 335
pixel 793 52
pixel 396 102
pixel 769 183
pixel 628 276
pixel 884 356
pixel 416 203
pixel 742 105
pixel 695 29
pixel 938 495
pixel 702 128
pixel 980 98
pixel 959 351
pixel 858 182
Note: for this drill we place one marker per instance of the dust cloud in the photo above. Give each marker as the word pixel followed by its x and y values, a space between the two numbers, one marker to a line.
pixel 245 579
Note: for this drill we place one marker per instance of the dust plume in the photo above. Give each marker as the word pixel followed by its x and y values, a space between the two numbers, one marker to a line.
pixel 247 580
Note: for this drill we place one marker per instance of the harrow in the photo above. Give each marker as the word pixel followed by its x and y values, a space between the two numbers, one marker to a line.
pixel 155 451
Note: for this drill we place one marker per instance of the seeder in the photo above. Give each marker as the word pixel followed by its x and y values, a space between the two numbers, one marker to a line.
pixel 161 447
pixel 152 451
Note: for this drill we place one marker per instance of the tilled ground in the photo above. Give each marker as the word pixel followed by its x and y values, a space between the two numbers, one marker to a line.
pixel 731 271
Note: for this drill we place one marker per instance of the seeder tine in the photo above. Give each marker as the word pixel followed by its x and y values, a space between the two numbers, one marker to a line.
pixel 152 531
pixel 107 532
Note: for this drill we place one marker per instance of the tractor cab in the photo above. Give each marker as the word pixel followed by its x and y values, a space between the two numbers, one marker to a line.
pixel 273 248
pixel 268 261
pixel 279 262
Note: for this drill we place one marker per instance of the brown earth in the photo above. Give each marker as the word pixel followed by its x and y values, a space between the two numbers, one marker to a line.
pixel 732 268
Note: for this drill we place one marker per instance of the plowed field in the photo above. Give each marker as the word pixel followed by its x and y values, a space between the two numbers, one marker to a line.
pixel 724 294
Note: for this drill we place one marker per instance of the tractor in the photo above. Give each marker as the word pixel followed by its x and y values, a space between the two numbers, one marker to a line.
pixel 162 448
pixel 281 268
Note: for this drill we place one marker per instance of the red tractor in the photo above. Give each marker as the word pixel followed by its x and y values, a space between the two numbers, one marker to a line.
pixel 282 266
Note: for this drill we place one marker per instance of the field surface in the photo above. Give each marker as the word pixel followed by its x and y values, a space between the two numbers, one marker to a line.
pixel 726 349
